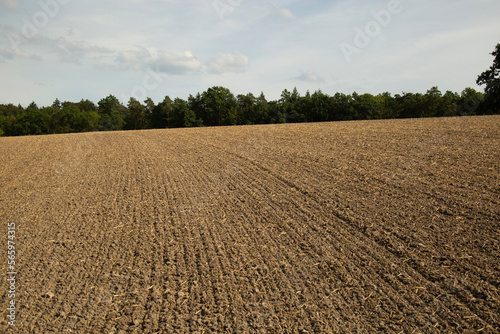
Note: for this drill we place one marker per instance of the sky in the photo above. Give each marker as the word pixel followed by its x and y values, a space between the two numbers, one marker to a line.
pixel 73 50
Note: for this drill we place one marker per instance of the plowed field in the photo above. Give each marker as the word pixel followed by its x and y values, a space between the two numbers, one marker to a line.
pixel 349 227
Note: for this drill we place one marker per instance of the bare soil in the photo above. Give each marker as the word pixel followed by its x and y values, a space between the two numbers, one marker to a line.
pixel 349 227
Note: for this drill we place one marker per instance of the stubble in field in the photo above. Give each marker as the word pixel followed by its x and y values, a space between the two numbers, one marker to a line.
pixel 373 226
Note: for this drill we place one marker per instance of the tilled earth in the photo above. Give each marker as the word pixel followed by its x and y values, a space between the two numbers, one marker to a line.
pixel 348 227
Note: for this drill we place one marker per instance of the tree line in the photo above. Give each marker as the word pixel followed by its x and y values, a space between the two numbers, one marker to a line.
pixel 218 106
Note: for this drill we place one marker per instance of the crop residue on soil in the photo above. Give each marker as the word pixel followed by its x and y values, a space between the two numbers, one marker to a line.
pixel 372 226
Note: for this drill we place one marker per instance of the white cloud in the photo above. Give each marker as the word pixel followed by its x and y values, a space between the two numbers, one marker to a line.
pixel 9 4
pixel 176 63
pixel 77 51
pixel 87 53
pixel 287 13
pixel 228 63
pixel 11 53
pixel 130 59
pixel 14 45
pixel 158 60
pixel 283 12
pixel 311 76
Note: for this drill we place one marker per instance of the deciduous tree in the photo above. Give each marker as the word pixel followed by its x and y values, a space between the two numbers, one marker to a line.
pixel 491 78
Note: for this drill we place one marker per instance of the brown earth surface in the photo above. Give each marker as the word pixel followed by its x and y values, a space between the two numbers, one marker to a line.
pixel 349 227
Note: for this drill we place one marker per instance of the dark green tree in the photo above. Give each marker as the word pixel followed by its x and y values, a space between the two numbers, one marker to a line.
pixel 321 107
pixel 149 106
pixel 8 115
pixel 220 107
pixel 431 104
pixel 289 103
pixel 87 106
pixel 33 121
pixel 449 103
pixel 388 106
pixel 469 102
pixel 62 119
pixel 136 116
pixel 161 114
pixel 261 109
pixel 183 116
pixel 112 114
pixel 57 104
pixel 87 118
pixel 410 105
pixel 276 115
pixel 247 109
pixel 195 104
pixel 491 78
pixel 305 106
pixel 342 108
pixel 366 106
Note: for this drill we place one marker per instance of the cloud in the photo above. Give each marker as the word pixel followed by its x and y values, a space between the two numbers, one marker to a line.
pixel 76 51
pixel 310 76
pixel 228 63
pixel 11 53
pixel 283 12
pixel 14 45
pixel 83 52
pixel 158 60
pixel 9 4
pixel 287 13
pixel 176 63
pixel 130 59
